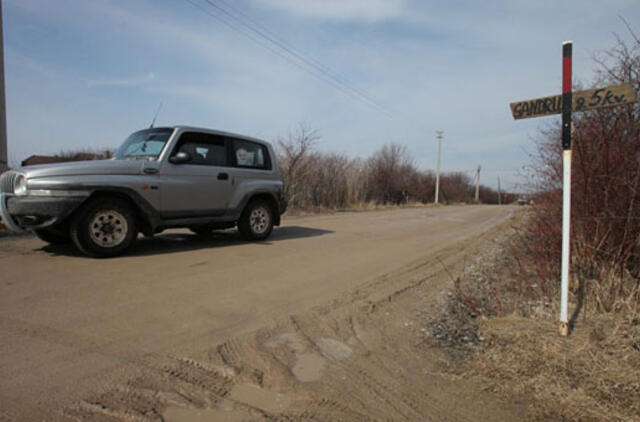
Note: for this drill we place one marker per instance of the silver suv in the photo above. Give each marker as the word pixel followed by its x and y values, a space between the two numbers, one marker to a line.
pixel 159 178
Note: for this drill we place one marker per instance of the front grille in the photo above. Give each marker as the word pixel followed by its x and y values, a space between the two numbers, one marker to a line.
pixel 6 181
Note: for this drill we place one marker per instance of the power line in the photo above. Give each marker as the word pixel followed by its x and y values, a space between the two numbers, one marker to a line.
pixel 270 36
pixel 239 30
pixel 315 71
pixel 233 17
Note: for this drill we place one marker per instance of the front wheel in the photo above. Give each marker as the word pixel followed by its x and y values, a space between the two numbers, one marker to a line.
pixel 256 222
pixel 104 227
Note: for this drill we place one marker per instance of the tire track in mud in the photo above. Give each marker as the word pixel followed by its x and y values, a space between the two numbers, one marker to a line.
pixel 367 365
pixel 177 381
pixel 380 386
pixel 372 386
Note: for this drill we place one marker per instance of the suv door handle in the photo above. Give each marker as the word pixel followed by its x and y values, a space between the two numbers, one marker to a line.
pixel 150 170
pixel 223 176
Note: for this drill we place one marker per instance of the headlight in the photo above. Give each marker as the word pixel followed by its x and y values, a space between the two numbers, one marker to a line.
pixel 20 185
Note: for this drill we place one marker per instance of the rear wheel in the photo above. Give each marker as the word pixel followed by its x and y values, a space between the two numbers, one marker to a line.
pixel 104 227
pixel 256 222
pixel 54 236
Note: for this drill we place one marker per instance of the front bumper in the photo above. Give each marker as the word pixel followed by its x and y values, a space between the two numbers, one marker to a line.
pixel 24 212
pixel 6 217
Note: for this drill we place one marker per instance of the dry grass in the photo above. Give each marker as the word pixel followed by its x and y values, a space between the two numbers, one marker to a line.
pixel 594 375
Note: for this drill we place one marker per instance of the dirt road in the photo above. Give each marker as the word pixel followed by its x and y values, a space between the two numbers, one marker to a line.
pixel 76 330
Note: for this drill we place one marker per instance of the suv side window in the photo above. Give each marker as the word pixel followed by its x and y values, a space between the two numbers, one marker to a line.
pixel 249 154
pixel 205 149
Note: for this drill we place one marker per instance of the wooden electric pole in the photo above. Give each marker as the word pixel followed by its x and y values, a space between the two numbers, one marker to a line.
pixel 478 184
pixel 4 164
pixel 439 136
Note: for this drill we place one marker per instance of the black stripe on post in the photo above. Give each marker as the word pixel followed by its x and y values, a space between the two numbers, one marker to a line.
pixel 567 99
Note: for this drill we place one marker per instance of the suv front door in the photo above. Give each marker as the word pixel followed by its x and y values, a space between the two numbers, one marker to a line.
pixel 201 187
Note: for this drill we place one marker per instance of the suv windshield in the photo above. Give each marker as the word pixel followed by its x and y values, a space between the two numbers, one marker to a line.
pixel 144 144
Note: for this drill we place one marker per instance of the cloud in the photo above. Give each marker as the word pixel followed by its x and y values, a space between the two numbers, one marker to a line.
pixel 448 67
pixel 25 63
pixel 131 81
pixel 341 10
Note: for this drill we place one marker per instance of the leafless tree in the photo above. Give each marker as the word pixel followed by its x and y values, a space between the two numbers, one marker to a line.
pixel 326 180
pixel 294 152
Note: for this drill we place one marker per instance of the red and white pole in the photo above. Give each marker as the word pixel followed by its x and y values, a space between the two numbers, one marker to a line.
pixel 567 103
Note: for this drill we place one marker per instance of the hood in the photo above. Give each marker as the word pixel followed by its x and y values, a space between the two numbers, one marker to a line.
pixel 77 168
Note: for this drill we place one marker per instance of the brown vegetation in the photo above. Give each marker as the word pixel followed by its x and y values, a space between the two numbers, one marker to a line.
pixel 605 202
pixel 512 299
pixel 494 331
pixel 321 180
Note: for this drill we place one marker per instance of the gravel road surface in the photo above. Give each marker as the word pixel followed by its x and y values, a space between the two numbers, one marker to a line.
pixel 71 326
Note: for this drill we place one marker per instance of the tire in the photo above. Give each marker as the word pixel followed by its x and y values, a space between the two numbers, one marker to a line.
pixel 104 227
pixel 256 222
pixel 54 236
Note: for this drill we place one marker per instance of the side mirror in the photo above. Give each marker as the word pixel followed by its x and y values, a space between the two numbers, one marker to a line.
pixel 180 158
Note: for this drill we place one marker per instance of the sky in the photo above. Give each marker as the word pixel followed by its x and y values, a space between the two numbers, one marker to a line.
pixel 84 74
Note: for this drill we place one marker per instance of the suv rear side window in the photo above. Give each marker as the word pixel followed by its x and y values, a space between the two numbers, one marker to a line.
pixel 204 149
pixel 249 154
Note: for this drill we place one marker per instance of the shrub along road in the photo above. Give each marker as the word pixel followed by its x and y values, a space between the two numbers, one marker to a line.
pixel 174 325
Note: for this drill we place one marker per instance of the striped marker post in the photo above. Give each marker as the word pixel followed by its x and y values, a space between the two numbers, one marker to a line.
pixel 567 127
pixel 591 99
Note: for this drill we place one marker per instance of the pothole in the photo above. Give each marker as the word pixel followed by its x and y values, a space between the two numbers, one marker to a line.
pixel 292 340
pixel 227 411
pixel 261 398
pixel 185 414
pixel 334 349
pixel 308 367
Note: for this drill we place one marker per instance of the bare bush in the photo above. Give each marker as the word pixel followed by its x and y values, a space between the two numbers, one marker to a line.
pixel 456 187
pixel 327 180
pixel 605 195
pixel 294 159
pixel 391 169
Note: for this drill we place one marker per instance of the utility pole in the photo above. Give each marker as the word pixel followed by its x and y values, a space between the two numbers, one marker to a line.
pixel 499 192
pixel 4 164
pixel 439 134
pixel 478 184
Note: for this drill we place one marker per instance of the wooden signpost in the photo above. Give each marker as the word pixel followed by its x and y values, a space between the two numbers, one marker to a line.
pixel 589 99
pixel 565 104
